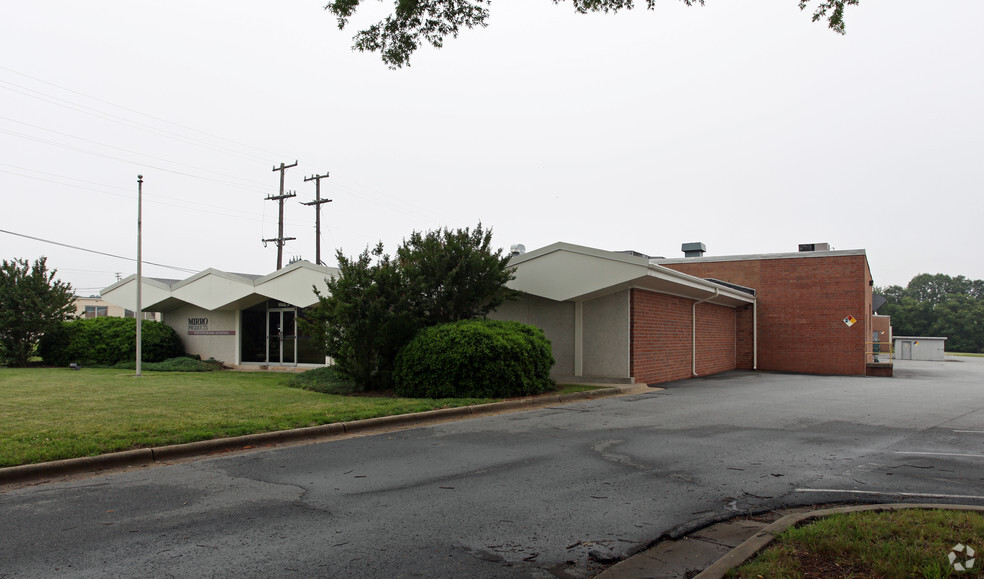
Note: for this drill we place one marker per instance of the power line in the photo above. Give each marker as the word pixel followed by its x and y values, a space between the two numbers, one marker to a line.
pixel 221 138
pixel 246 183
pixel 122 160
pixel 184 269
pixel 179 203
pixel 357 189
pixel 116 118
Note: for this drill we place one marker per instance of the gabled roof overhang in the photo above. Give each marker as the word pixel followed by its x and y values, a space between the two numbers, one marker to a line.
pixel 567 272
pixel 153 293
pixel 295 283
pixel 213 289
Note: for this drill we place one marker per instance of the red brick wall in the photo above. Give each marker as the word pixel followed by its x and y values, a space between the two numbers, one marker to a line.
pixel 715 339
pixel 801 306
pixel 661 342
pixel 744 338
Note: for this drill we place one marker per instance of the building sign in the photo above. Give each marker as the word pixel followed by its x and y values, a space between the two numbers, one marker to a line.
pixel 199 327
pixel 850 321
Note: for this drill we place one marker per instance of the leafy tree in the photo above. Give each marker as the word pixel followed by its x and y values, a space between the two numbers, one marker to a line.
pixel 935 289
pixel 377 303
pixel 32 302
pixel 414 22
pixel 363 320
pixel 453 275
pixel 939 305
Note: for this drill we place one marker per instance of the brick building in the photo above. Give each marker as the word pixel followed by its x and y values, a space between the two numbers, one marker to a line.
pixel 610 316
pixel 617 317
pixel 804 299
pixel 628 317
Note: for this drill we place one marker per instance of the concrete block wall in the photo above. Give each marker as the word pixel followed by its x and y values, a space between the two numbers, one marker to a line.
pixel 802 303
pixel 606 336
pixel 556 319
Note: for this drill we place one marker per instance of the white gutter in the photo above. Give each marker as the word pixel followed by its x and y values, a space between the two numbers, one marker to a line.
pixel 700 283
pixel 693 330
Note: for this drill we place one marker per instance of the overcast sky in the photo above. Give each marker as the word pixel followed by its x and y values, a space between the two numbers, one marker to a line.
pixel 739 124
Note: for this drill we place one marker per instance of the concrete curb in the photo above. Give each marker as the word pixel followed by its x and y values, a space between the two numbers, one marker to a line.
pixel 760 540
pixel 148 456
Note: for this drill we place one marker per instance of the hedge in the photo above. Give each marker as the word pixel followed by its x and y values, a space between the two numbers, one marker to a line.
pixel 107 341
pixel 475 359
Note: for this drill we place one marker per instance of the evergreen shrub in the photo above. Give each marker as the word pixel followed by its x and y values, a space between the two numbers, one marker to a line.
pixel 107 341
pixel 182 364
pixel 475 359
pixel 327 380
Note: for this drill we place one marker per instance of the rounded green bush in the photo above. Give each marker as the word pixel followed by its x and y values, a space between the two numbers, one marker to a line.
pixel 475 359
pixel 326 380
pixel 107 341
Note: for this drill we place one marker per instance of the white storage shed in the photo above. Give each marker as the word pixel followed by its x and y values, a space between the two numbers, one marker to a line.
pixel 919 348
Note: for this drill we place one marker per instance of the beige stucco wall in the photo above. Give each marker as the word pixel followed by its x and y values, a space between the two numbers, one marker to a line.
pixel 606 336
pixel 113 310
pixel 556 319
pixel 221 347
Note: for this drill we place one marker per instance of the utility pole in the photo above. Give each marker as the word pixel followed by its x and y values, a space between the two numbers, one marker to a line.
pixel 280 239
pixel 318 201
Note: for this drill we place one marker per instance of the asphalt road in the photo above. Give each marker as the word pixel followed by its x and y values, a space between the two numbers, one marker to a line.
pixel 538 493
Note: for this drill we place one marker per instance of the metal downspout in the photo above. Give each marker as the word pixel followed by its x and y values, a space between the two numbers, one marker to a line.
pixel 693 330
pixel 755 335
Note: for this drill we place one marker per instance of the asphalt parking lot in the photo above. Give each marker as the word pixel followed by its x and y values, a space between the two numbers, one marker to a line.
pixel 561 491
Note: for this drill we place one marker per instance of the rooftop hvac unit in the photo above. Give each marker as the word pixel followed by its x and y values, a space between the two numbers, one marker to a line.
pixel 694 249
pixel 814 247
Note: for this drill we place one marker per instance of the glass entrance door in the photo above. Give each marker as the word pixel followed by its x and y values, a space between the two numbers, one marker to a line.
pixel 281 336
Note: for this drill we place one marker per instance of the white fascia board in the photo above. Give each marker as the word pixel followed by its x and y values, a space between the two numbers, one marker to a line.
pixel 208 273
pixel 761 256
pixel 563 271
pixel 212 289
pixel 577 249
pixel 124 293
pixel 295 283
pixel 701 284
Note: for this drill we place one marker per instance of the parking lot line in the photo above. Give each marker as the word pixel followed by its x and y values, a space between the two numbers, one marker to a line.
pixel 939 453
pixel 893 494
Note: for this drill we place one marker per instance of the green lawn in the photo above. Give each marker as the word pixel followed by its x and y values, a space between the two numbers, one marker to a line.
pixel 904 543
pixel 964 354
pixel 53 413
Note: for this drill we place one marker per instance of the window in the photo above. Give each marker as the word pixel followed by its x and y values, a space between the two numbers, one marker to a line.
pixel 96 311
pixel 146 315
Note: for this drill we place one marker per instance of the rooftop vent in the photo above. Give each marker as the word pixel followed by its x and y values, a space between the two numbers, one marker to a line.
pixel 695 249
pixel 814 247
pixel 634 253
pixel 517 249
